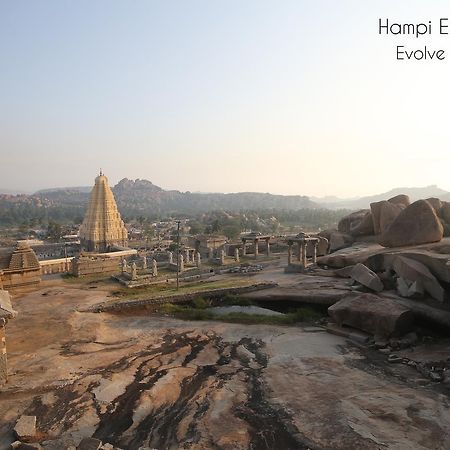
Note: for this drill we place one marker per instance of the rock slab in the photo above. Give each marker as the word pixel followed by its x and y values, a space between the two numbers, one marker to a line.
pixel 363 275
pixel 25 428
pixel 375 315
pixel 416 272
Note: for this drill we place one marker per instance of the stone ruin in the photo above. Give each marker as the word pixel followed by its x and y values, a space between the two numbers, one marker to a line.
pixel 19 266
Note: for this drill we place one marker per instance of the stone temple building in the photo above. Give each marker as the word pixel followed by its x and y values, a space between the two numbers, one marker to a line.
pixel 19 266
pixel 102 227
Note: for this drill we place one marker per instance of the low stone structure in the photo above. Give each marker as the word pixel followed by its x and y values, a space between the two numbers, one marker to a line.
pixel 255 238
pixel 205 244
pixel 302 241
pixel 61 265
pixel 19 266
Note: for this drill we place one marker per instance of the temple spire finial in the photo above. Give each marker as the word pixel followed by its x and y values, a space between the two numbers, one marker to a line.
pixel 101 173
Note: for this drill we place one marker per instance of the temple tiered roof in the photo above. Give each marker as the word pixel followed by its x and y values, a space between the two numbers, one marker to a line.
pixel 102 227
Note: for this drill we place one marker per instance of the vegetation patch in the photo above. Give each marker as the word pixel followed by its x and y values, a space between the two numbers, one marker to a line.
pixel 199 309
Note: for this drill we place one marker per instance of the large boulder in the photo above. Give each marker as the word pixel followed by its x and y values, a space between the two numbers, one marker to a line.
pixel 372 314
pixel 358 223
pixel 401 199
pixel 415 272
pixel 388 213
pixel 445 212
pixel 363 275
pixel 416 224
pixel 340 240
pixel 435 203
pixel 384 213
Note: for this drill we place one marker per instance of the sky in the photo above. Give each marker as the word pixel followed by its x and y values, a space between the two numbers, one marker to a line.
pixel 288 97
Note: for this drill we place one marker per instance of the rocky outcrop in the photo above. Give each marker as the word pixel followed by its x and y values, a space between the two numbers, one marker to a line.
pixel 366 277
pixel 373 314
pixel 417 224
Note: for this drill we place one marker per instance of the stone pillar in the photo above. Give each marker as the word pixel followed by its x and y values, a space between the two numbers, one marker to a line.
pixel 187 256
pixel 267 247
pixel 304 260
pixel 144 262
pixel 124 265
pixel 222 257
pixel 244 250
pixel 154 268
pixel 181 263
pixel 198 259
pixel 236 254
pixel 256 248
pixel 314 256
pixel 299 254
pixel 170 254
pixel 289 253
pixel 133 271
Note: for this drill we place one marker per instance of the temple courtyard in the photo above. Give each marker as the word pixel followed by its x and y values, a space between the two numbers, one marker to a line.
pixel 139 379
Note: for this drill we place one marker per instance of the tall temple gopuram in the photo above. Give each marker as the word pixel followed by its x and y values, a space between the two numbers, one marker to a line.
pixel 102 227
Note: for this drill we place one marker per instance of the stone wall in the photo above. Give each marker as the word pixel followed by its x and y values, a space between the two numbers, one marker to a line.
pixel 63 265
pixel 85 265
pixel 12 279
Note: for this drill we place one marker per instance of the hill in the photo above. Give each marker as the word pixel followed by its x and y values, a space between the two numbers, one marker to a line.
pixel 414 193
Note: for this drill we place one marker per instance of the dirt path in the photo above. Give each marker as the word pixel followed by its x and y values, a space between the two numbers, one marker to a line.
pixel 162 383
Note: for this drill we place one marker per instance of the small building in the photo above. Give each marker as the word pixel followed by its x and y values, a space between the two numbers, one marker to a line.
pixel 6 313
pixel 19 266
pixel 206 244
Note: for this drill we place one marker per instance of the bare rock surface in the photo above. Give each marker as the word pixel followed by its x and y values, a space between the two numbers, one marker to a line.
pixel 153 382
pixel 416 224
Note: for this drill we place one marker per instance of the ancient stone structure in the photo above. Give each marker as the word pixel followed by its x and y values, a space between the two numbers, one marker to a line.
pixel 19 266
pixel 102 227
pixel 144 262
pixel 154 268
pixel 302 240
pixel 6 313
pixel 206 244
pixel 236 255
pixel 95 264
pixel 133 271
pixel 255 238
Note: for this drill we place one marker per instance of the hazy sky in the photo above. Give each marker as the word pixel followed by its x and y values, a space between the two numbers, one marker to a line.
pixel 291 97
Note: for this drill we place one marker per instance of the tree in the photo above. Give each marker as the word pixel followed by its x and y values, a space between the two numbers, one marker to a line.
pixel 54 231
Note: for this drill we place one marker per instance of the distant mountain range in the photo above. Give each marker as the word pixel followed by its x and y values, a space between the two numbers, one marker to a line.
pixel 414 193
pixel 142 197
